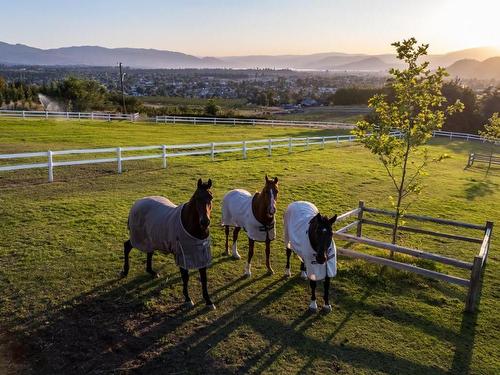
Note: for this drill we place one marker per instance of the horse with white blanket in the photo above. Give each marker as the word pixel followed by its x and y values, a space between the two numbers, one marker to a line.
pixel 255 214
pixel 309 235
pixel 155 223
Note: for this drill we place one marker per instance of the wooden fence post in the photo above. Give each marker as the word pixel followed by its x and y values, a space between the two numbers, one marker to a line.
pixel 361 206
pixel 119 159
pixel 244 149
pixel 164 155
pixel 51 166
pixel 475 283
pixel 270 148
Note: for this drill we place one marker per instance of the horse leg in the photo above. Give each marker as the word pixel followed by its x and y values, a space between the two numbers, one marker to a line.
pixel 185 279
pixel 248 267
pixel 149 266
pixel 226 229
pixel 204 289
pixel 313 306
pixel 236 255
pixel 326 286
pixel 268 256
pixel 303 272
pixel 288 273
pixel 127 246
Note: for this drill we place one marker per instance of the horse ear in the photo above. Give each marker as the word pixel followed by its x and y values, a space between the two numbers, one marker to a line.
pixel 275 180
pixel 317 216
pixel 199 182
pixel 209 183
pixel 333 219
pixel 267 178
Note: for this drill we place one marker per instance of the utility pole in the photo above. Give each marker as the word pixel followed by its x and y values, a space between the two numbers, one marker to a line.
pixel 123 93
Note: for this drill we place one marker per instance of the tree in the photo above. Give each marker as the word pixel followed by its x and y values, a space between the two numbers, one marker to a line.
pixel 492 134
pixel 211 108
pixel 415 109
pixel 470 119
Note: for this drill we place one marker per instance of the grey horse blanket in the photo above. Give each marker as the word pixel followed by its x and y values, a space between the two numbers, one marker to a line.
pixel 155 223
pixel 237 211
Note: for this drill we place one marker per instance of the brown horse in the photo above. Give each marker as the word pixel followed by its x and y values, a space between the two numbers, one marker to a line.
pixel 255 214
pixel 155 223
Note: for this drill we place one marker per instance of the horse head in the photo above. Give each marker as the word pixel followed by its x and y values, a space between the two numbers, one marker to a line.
pixel 270 193
pixel 320 235
pixel 203 203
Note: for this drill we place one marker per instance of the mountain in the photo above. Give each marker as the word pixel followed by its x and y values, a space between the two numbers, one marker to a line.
pixel 469 68
pixel 19 54
pixel 368 64
pixel 99 56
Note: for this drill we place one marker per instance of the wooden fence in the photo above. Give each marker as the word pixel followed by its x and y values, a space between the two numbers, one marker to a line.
pixel 476 266
pixel 167 151
pixel 482 158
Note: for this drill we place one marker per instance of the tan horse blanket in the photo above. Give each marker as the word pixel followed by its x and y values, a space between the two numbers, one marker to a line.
pixel 155 224
pixel 237 212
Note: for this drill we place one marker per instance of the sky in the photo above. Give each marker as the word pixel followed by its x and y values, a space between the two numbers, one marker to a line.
pixel 246 27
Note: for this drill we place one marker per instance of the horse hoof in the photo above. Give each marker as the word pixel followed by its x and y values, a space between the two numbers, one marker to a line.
pixel 211 307
pixel 270 271
pixel 303 275
pixel 313 306
pixel 288 273
pixel 327 308
pixel 248 274
pixel 237 256
pixel 123 274
pixel 154 275
pixel 189 303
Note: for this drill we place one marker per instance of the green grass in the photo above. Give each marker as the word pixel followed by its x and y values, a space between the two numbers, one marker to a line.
pixel 64 310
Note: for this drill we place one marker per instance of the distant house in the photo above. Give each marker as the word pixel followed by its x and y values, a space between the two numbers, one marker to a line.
pixel 308 102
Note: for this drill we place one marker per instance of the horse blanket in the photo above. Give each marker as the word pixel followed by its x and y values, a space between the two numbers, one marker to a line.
pixel 237 211
pixel 155 224
pixel 296 226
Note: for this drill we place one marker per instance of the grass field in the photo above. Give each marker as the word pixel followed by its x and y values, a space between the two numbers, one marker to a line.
pixel 64 310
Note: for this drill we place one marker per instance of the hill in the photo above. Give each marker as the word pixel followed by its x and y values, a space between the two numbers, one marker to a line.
pixel 468 68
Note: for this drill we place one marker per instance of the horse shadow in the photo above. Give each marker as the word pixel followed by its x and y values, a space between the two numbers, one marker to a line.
pixel 114 329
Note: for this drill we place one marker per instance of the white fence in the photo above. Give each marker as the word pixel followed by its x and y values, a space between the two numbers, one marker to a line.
pixel 71 115
pixel 247 121
pixel 167 151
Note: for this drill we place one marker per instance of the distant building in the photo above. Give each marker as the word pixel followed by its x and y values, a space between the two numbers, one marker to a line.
pixel 308 102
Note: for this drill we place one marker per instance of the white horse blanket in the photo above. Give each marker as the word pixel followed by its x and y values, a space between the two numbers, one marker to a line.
pixel 155 224
pixel 237 211
pixel 296 223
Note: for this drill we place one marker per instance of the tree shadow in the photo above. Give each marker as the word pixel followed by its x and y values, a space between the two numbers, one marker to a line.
pixel 477 189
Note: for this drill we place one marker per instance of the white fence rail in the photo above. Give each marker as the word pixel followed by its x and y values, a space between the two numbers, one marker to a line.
pixel 166 151
pixel 71 115
pixel 247 121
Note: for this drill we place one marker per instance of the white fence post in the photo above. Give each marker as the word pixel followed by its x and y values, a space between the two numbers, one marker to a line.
pixel 338 139
pixel 244 149
pixel 290 145
pixel 253 122
pixel 119 159
pixel 109 116
pixel 307 143
pixel 164 155
pixel 174 119
pixel 212 151
pixel 79 116
pixel 270 147
pixel 23 114
pixel 46 114
pixel 194 120
pixel 91 115
pixel 67 114
pixel 323 142
pixel 51 166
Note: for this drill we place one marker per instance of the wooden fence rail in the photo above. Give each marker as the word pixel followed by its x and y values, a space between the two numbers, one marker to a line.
pixel 476 267
pixel 483 158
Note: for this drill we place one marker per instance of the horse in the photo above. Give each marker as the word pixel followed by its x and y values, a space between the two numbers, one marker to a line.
pixel 309 235
pixel 155 223
pixel 255 214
